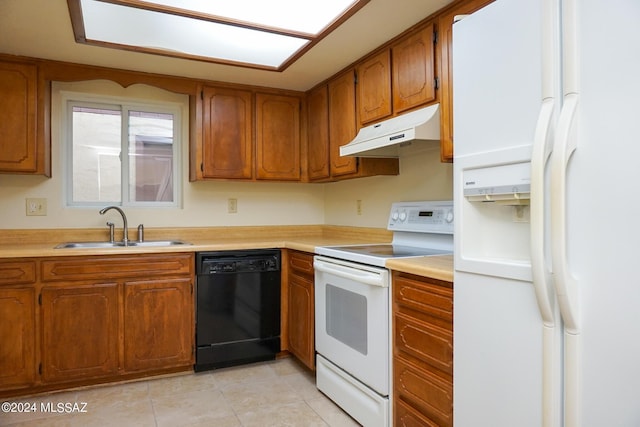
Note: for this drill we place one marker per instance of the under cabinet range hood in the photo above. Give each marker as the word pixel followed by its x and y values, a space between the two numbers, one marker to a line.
pixel 383 139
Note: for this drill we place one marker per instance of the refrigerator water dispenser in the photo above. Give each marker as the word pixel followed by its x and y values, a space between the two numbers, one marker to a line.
pixel 492 191
pixel 506 184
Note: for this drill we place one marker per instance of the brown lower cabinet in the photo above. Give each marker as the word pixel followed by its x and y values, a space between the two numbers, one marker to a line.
pixel 68 321
pixel 17 336
pixel 301 321
pixel 422 351
pixel 79 331
pixel 165 341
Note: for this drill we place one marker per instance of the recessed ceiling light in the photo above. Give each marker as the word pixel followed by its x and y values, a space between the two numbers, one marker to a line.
pixel 259 34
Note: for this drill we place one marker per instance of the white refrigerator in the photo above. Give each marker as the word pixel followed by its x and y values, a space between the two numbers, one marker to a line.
pixel 546 161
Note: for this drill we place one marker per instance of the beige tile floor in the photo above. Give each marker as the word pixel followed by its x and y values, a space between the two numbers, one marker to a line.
pixel 278 393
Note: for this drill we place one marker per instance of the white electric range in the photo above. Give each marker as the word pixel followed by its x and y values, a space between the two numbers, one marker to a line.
pixel 419 229
pixel 352 308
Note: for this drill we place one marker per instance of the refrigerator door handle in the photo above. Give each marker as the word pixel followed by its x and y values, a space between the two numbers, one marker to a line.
pixel 541 275
pixel 565 284
pixel 539 269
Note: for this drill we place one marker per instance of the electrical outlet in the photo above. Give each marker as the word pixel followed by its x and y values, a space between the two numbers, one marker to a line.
pixel 232 205
pixel 36 207
pixel 359 207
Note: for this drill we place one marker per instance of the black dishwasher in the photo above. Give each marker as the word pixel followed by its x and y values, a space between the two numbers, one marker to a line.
pixel 237 307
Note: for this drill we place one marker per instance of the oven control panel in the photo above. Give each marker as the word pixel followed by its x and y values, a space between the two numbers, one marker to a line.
pixel 424 217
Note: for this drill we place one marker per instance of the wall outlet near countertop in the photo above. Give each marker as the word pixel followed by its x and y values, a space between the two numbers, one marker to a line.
pixel 36 207
pixel 232 205
pixel 359 207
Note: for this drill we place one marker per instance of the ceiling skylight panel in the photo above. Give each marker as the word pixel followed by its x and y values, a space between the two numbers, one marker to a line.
pixel 158 31
pixel 295 15
pixel 253 33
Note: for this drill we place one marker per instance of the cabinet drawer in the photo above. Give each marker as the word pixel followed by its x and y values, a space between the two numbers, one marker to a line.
pixel 17 272
pixel 406 416
pixel 429 296
pixel 429 394
pixel 301 262
pixel 116 266
pixel 425 342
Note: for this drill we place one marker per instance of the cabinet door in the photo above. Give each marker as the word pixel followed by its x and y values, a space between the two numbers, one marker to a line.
pixel 80 331
pixel 445 58
pixel 374 88
pixel 301 320
pixel 227 137
pixel 413 71
pixel 342 123
pixel 318 133
pixel 158 324
pixel 18 337
pixel 18 100
pixel 277 137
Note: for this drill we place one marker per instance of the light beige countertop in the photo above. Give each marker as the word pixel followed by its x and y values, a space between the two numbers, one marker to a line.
pixel 41 243
pixel 437 267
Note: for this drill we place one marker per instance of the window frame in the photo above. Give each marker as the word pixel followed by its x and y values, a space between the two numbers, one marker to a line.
pixel 70 99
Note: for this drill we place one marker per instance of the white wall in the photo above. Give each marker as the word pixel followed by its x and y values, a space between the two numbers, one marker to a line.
pixel 422 177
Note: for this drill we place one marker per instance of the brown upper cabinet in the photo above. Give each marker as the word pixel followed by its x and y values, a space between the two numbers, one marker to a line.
pixel 331 110
pixel 413 70
pixel 374 87
pixel 20 149
pixel 254 133
pixel 247 135
pixel 445 71
pixel 398 78
pixel 227 146
pixel 278 137
pixel 318 133
pixel 342 123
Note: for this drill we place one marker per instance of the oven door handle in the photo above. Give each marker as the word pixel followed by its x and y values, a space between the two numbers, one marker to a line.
pixel 361 276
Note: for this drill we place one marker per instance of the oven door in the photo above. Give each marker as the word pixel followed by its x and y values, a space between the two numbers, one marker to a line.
pixel 352 319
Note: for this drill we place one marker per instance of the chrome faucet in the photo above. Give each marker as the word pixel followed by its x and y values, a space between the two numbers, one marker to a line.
pixel 125 235
pixel 111 231
pixel 141 233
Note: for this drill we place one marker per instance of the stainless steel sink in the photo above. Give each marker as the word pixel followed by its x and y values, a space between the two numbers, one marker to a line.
pixel 158 243
pixel 97 245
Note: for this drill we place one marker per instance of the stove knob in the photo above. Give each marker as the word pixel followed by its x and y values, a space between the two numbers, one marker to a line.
pixel 403 216
pixel 394 215
pixel 449 216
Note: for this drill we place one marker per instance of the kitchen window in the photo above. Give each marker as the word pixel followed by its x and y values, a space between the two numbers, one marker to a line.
pixel 121 152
